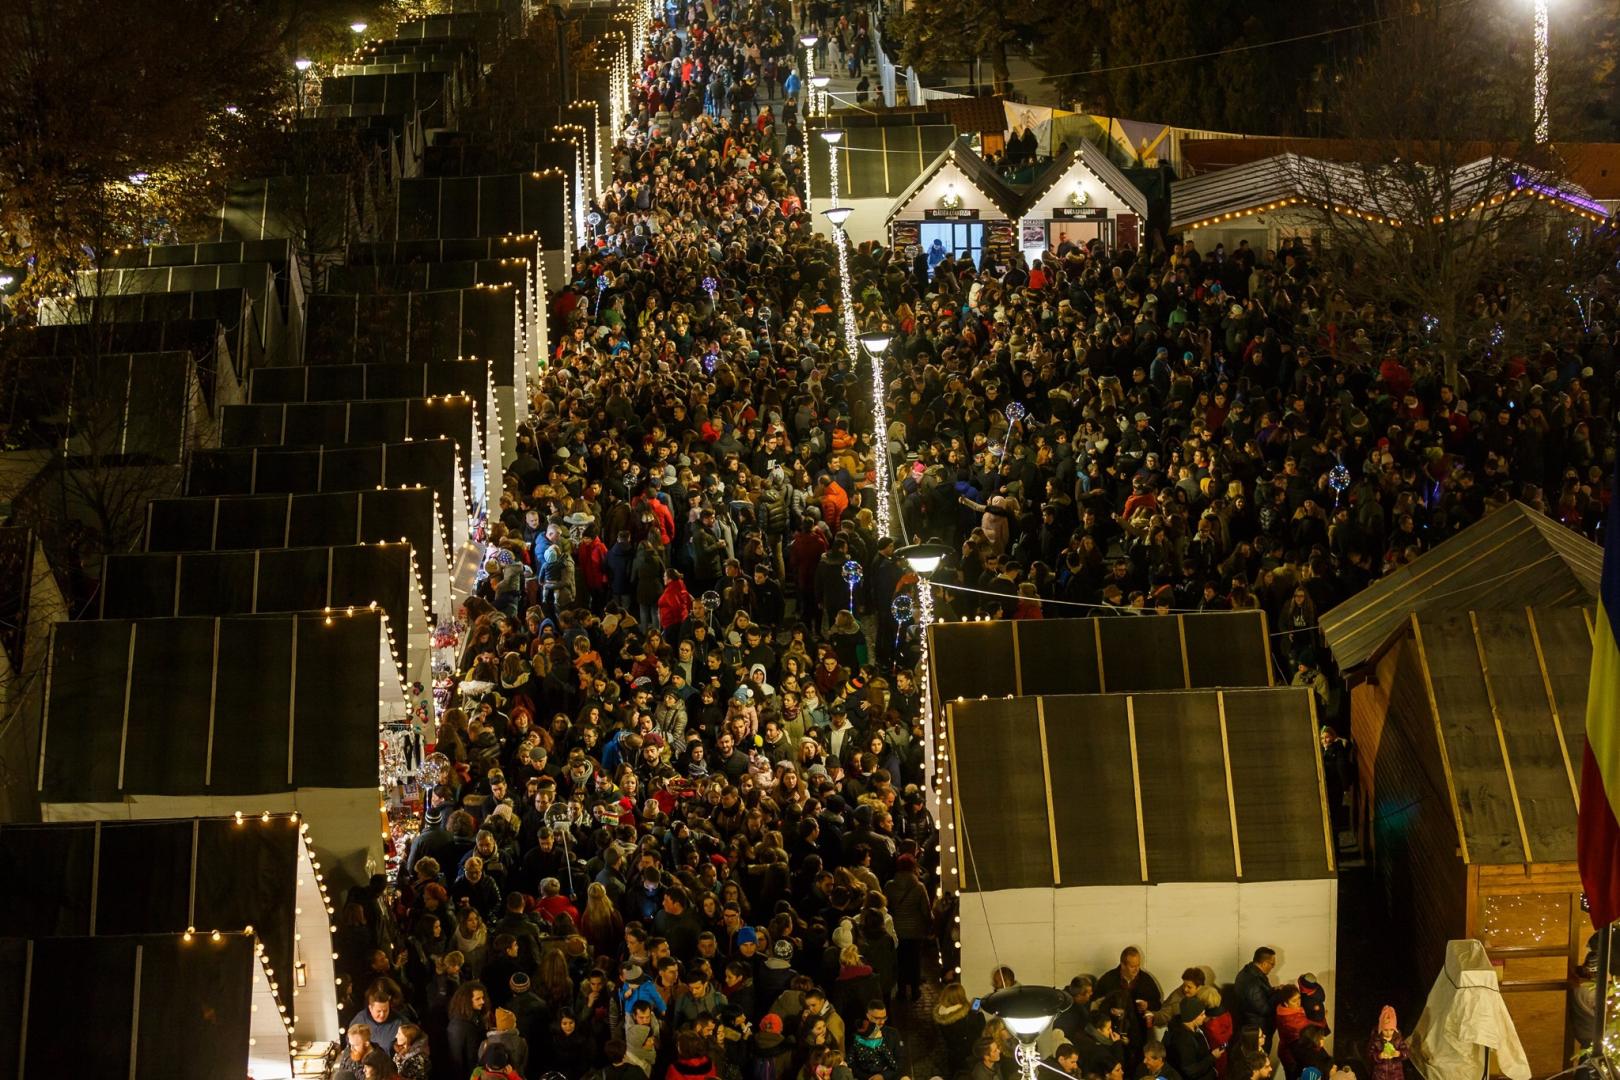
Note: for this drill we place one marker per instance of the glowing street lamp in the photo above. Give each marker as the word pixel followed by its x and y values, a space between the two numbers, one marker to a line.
pixel 302 65
pixel 809 43
pixel 876 344
pixel 1027 1011
pixel 358 26
pixel 923 560
pixel 832 137
pixel 818 95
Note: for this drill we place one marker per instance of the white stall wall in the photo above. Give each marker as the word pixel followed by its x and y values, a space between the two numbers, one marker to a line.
pixel 1048 936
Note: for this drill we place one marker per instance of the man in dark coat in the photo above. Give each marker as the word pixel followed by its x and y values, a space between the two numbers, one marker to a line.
pixel 1185 1047
pixel 1142 992
pixel 1253 986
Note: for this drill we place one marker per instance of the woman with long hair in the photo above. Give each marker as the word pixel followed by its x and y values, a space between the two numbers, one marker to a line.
pixel 600 923
pixel 553 983
pixel 466 1028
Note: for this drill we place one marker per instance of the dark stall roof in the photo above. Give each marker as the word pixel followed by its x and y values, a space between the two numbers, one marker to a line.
pixel 510 205
pixel 208 341
pixel 1506 691
pixel 323 423
pixel 365 382
pixel 430 463
pixel 436 94
pixel 468 380
pixel 154 1007
pixel 250 522
pixel 107 878
pixel 1122 654
pixel 449 249
pixel 320 210
pixel 233 307
pixel 426 276
pixel 259 279
pixel 209 707
pixel 1511 558
pixel 443 324
pixel 111 407
pixel 148 585
pixel 489 29
pixel 1186 786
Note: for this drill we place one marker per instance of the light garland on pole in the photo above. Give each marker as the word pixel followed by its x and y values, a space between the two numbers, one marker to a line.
pixel 923 560
pixel 838 215
pixel 809 43
pixel 876 345
pixel 832 137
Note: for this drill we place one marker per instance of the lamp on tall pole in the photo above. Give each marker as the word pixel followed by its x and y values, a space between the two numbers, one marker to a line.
pixel 876 345
pixel 1543 128
pixel 809 43
pixel 818 93
pixel 832 137
pixel 923 560
pixel 1027 1011
pixel 302 65
pixel 837 215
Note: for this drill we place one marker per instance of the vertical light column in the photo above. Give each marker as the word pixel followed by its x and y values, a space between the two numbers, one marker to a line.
pixel 1543 127
pixel 809 43
pixel 876 345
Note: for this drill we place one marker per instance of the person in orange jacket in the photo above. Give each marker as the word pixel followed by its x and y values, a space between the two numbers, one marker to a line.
pixel 833 498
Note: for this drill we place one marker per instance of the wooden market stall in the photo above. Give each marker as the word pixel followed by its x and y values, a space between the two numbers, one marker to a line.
pixel 1469 729
pixel 1190 823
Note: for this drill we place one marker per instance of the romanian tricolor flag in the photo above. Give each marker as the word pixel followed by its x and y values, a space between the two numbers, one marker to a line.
pixel 1599 837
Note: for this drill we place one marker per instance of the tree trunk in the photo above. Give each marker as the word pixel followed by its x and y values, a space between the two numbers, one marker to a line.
pixel 998 65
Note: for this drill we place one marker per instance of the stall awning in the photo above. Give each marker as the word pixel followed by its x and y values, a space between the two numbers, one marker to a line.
pixel 1123 654
pixel 1131 789
pixel 238 705
pixel 434 464
pixel 1511 558
pixel 158 1007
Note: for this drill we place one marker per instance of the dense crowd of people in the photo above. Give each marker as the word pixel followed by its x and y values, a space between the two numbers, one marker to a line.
pixel 677 825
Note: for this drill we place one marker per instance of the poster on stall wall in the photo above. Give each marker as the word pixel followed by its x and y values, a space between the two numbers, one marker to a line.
pixel 998 242
pixel 907 239
pixel 1034 234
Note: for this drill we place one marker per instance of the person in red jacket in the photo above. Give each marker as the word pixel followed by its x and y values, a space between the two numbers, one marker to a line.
pixel 591 558
pixel 676 602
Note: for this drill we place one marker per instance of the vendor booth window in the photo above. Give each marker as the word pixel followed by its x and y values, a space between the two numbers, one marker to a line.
pixel 1080 233
pixel 958 238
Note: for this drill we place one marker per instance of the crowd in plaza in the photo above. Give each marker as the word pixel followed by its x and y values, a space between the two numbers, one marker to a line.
pixel 680 824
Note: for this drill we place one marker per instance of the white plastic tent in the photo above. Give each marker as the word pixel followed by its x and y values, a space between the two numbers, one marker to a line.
pixel 1465 1019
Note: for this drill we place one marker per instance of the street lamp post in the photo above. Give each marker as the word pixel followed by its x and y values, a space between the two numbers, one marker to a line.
pixel 818 93
pixel 923 560
pixel 876 345
pixel 1543 127
pixel 1027 1011
pixel 837 215
pixel 302 66
pixel 832 137
pixel 809 43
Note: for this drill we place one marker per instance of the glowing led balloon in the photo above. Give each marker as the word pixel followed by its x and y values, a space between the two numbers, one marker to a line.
pixel 852 577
